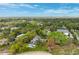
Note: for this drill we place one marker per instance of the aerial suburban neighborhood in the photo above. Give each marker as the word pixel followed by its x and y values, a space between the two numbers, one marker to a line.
pixel 39 28
pixel 53 35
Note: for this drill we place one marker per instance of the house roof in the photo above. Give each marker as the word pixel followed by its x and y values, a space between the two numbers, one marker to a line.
pixel 63 30
pixel 35 39
pixel 20 35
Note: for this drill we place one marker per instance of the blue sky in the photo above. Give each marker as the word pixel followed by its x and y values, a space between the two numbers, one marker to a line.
pixel 39 9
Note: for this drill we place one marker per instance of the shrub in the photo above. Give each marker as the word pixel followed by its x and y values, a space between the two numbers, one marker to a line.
pixel 18 48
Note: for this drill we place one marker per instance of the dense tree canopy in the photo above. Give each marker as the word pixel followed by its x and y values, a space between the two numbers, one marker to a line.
pixel 59 38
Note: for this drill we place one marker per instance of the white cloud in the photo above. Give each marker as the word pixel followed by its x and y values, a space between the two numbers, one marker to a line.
pixel 62 10
pixel 11 5
pixel 55 11
pixel 76 9
pixel 19 5
pixel 26 5
pixel 7 4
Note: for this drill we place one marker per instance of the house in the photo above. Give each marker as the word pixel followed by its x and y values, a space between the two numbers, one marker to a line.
pixel 19 35
pixel 65 31
pixel 34 41
pixel 3 41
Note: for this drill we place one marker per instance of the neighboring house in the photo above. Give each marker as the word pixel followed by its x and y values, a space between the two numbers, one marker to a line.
pixel 19 35
pixel 34 41
pixel 3 41
pixel 65 31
